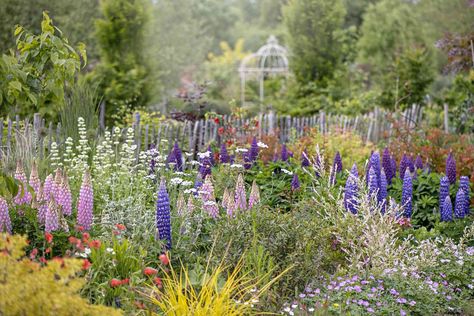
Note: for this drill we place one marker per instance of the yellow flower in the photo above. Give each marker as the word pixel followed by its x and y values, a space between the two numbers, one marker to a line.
pixel 335 305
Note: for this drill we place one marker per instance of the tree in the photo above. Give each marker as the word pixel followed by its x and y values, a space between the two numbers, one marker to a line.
pixel 122 73
pixel 315 38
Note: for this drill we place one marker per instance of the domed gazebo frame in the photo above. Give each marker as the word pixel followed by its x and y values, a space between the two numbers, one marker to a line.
pixel 270 60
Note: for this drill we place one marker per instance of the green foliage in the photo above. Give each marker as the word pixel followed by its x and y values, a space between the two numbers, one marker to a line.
pixel 35 77
pixel 122 73
pixel 460 98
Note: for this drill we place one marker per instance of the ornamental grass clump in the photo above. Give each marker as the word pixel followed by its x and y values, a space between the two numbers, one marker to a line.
pixel 163 216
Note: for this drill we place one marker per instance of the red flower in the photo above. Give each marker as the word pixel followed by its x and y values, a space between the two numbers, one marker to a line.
pixel 139 305
pixel 157 281
pixel 80 228
pixel 257 123
pixel 73 240
pixel 220 130
pixel 94 244
pixel 86 264
pixel 43 260
pixel 33 253
pixel 85 237
pixel 126 281
pixel 150 271
pixel 48 237
pixel 115 283
pixel 48 250
pixel 120 227
pixel 164 259
pixel 216 120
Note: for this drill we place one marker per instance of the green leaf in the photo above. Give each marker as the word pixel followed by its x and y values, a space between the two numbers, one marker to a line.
pixel 15 85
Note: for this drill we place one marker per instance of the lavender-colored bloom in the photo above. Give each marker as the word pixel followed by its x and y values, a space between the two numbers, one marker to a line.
pixel 85 203
pixel 464 184
pixel 34 181
pixel 304 159
pixel 295 182
pixel 407 195
pixel 43 207
pixel 373 185
pixel 205 165
pixel 383 191
pixel 224 155
pixel 65 197
pixel 317 166
pixel 206 194
pixel 394 168
pixel 451 169
pixel 240 195
pixel 52 217
pixel 247 160
pixel 375 163
pixel 447 210
pixel 367 170
pixel 387 164
pixel 284 153
pixel 5 223
pixel 197 184
pixel 351 190
pixel 254 197
pixel 253 153
pixel 337 163
pixel 411 165
pixel 178 157
pixel 23 196
pixel 443 192
pixel 460 204
pixel 232 159
pixel 418 162
pixel 404 165
pixel 163 216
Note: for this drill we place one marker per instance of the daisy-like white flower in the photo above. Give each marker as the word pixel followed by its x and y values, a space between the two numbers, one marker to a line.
pixel 241 150
pixel 286 171
pixel 186 183
pixel 262 145
pixel 176 181
pixel 236 166
pixel 206 154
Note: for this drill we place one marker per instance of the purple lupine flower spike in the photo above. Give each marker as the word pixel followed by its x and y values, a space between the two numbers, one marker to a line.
pixel 443 191
pixel 387 164
pixel 304 159
pixel 85 203
pixel 23 196
pixel 197 184
pixel 5 222
pixel 373 185
pixel 411 164
pixel 284 153
pixel 447 210
pixel 337 163
pixel 394 168
pixel 407 195
pixel 418 162
pixel 205 164
pixel 247 160
pixel 43 207
pixel 254 197
pixel 163 216
pixel 178 156
pixel 35 181
pixel 464 184
pixel 206 194
pixel 56 186
pixel 451 169
pixel 404 165
pixel 224 155
pixel 295 182
pixel 171 157
pixel 367 170
pixel 317 166
pixel 375 163
pixel 240 195
pixel 383 191
pixel 460 204
pixel 351 191
pixel 52 217
pixel 66 196
pixel 253 153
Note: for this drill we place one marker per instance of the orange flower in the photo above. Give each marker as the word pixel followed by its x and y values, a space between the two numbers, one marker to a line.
pixel 126 281
pixel 94 244
pixel 80 228
pixel 73 240
pixel 157 282
pixel 86 264
pixel 33 253
pixel 85 237
pixel 150 271
pixel 164 259
pixel 48 237
pixel 115 283
pixel 120 227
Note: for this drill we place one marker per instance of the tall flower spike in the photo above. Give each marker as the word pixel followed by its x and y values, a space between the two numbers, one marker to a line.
pixel 337 163
pixel 295 182
pixel 367 170
pixel 387 164
pixel 231 204
pixel 42 207
pixel 205 165
pixel 178 155
pixel 253 153
pixel 460 204
pixel 373 185
pixel 383 191
pixel 375 163
pixel 240 195
pixel 224 155
pixel 66 196
pixel 304 159
pixel 52 217
pixel 190 204
pixel 247 161
pixel 35 181
pixel 181 204
pixel 404 165
pixel 254 197
pixel 85 203
pixel 443 191
pixel 411 165
pixel 394 168
pixel 284 153
pixel 225 199
pixel 211 156
pixel 451 169
pixel 465 185
pixel 418 162
pixel 208 199
pixel 47 187
pixel 407 195
pixel 163 216
pixel 351 191
pixel 447 210
pixel 56 186
pixel 5 223
pixel 23 196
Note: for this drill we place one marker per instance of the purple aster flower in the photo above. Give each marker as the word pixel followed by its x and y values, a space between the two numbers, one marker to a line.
pixel 284 153
pixel 443 191
pixel 464 184
pixel 5 223
pixel 253 153
pixel 351 190
pixel 240 195
pixel 163 216
pixel 451 169
pixel 387 164
pixel 304 159
pixel 447 210
pixel 85 203
pixel 337 163
pixel 295 182
pixel 404 165
pixel 224 155
pixel 23 196
pixel 460 204
pixel 418 162
pixel 407 195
